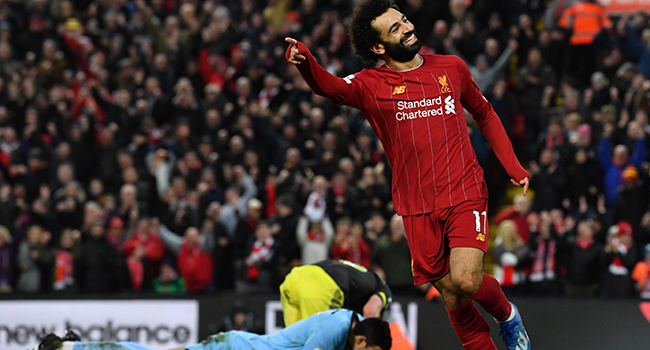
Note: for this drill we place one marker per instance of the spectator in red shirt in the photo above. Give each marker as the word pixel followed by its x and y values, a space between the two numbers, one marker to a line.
pixel 341 244
pixel 349 243
pixel 194 265
pixel 115 232
pixel 146 244
pixel 520 214
pixel 146 235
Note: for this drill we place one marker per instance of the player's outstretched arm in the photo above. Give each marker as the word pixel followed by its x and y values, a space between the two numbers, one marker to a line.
pixel 319 80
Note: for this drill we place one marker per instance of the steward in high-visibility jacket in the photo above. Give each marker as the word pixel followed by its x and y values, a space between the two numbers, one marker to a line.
pixel 585 19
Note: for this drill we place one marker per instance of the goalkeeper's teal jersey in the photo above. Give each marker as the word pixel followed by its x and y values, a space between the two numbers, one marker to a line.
pixel 327 330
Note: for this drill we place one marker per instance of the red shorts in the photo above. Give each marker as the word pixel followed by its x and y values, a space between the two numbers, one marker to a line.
pixel 431 237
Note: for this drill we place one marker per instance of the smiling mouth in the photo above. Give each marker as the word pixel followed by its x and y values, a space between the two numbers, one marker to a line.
pixel 410 39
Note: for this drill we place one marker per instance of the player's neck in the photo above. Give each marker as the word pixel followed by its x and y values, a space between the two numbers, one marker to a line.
pixel 402 66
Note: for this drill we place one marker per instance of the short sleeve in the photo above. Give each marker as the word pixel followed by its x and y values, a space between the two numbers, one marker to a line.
pixel 384 293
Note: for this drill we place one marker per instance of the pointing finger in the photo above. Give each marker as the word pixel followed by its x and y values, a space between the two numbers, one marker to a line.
pixel 525 184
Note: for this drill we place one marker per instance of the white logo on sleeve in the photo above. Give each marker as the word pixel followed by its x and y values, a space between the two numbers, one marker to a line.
pixel 349 78
pixel 450 107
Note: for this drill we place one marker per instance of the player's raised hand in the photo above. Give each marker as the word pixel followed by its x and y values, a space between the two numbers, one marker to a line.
pixel 523 183
pixel 294 56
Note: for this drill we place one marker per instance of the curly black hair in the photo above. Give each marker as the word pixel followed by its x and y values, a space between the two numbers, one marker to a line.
pixel 362 35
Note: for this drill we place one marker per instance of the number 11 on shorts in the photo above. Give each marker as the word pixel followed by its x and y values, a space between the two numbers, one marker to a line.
pixel 477 216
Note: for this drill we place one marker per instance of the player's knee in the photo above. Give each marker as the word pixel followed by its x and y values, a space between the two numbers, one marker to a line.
pixel 468 284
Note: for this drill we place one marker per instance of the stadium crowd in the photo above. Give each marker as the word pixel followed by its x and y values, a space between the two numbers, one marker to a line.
pixel 167 146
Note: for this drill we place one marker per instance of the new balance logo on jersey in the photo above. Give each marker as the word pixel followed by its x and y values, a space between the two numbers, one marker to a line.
pixel 444 84
pixel 399 90
pixel 450 106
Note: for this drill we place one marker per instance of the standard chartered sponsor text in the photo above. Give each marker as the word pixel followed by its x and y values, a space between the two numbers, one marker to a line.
pixel 406 112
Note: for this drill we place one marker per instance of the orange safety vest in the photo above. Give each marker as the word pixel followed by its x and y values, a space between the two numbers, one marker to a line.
pixel 400 340
pixel 586 19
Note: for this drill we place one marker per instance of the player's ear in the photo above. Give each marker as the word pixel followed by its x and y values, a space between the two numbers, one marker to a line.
pixel 359 342
pixel 378 48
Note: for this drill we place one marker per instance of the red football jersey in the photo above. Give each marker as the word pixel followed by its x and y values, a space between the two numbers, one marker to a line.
pixel 418 116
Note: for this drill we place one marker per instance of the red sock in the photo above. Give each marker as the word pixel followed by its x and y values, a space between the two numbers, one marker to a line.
pixel 471 328
pixel 491 298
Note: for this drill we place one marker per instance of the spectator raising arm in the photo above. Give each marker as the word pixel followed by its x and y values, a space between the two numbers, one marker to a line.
pixel 174 242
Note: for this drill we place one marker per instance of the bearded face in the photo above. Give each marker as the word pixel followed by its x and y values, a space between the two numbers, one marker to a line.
pixel 404 51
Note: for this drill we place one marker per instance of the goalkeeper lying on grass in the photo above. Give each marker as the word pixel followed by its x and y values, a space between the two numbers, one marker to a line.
pixel 328 330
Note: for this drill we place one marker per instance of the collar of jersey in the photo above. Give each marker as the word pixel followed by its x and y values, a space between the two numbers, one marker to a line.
pixel 407 70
